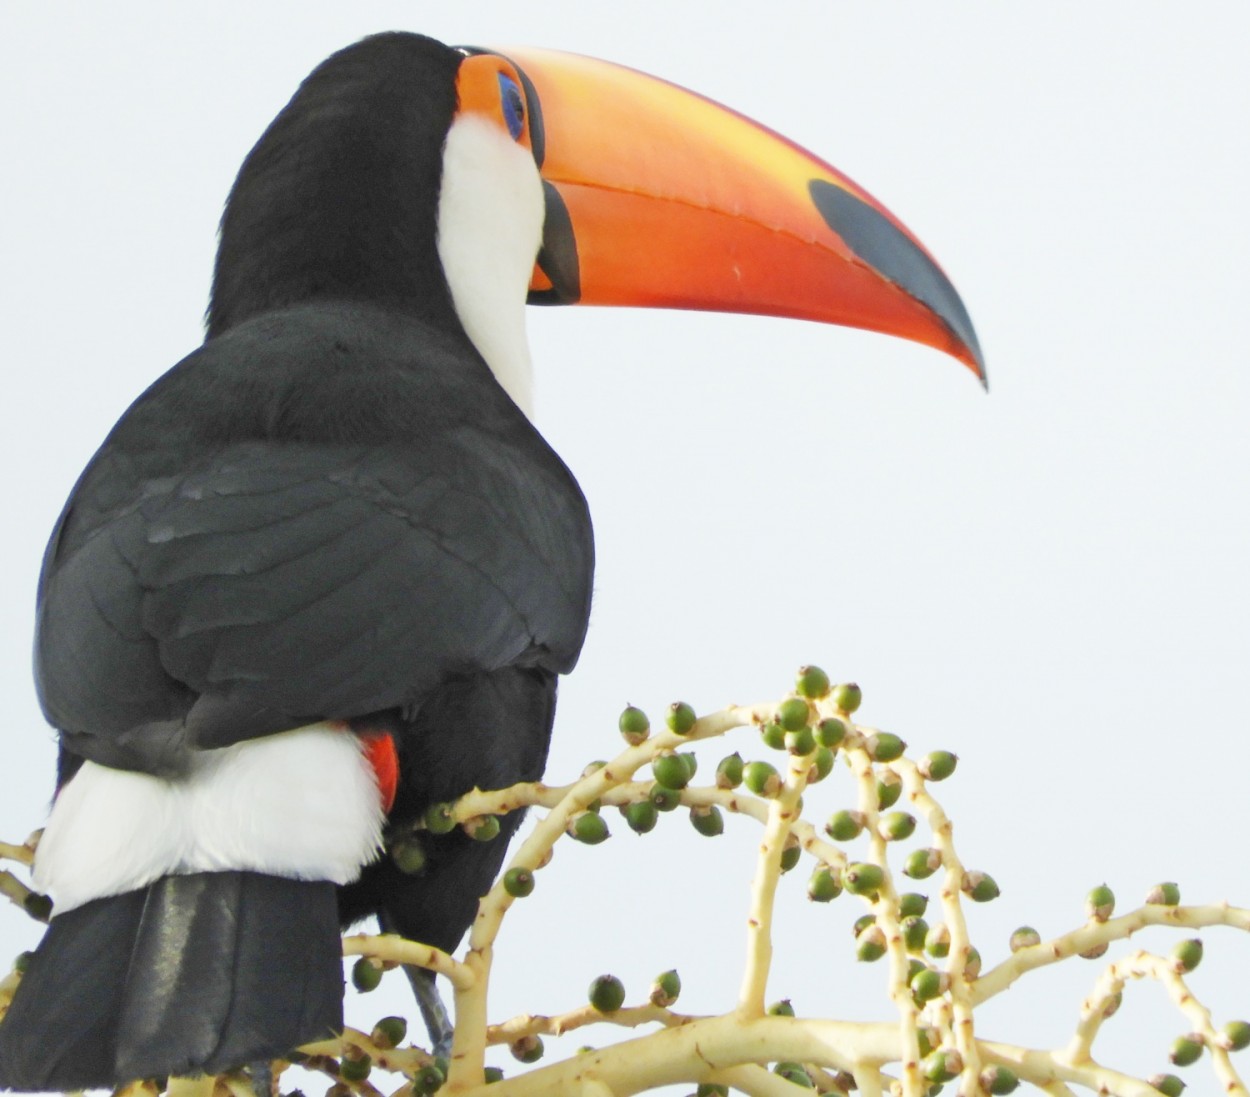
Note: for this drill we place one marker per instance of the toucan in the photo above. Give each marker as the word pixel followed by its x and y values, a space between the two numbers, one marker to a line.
pixel 325 573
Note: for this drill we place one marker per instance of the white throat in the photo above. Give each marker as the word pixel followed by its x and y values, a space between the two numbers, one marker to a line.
pixel 490 223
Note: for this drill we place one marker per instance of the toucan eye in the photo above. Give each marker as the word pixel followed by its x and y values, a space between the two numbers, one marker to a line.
pixel 513 105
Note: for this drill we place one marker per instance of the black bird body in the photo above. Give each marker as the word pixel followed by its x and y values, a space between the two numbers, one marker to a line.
pixel 329 511
pixel 334 518
pixel 323 513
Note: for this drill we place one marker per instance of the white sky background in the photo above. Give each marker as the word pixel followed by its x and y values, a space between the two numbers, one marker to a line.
pixel 1050 580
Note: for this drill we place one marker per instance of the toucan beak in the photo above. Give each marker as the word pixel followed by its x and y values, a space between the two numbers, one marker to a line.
pixel 659 197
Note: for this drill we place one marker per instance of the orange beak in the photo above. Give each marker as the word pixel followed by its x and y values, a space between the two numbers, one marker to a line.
pixel 659 197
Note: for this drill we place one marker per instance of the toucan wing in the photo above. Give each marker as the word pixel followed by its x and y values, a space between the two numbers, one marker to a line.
pixel 281 583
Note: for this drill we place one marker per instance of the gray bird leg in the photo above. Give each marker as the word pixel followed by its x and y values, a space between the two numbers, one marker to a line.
pixel 261 1073
pixel 433 1012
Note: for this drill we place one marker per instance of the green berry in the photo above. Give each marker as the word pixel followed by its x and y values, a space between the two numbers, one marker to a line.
pixel 1237 1035
pixel 607 994
pixel 21 962
pixel 860 878
pixel 791 854
pixel 884 747
pixel 588 828
pixel 407 853
pixel 1094 953
pixel 793 713
pixel 845 825
pixel 1100 903
pixel 680 718
pixel 896 826
pixel 812 683
pixel 634 725
pixel 830 732
pixel 389 1032
pixel 527 1049
pixel 862 923
pixel 729 772
pixel 665 799
pixel 491 1075
pixel 937 765
pixel 822 765
pixel 794 1072
pixel 998 1080
pixel 922 863
pixel 915 930
pixel 428 1079
pixel 518 882
pixel 670 771
pixel 972 964
pixel 355 1067
pixel 762 779
pixel 366 974
pixel 711 1089
pixel 927 1039
pixel 979 887
pixel 1187 955
pixel 889 789
pixel 1164 895
pixel 708 821
pixel 847 697
pixel 665 989
pixel 822 885
pixel 870 945
pixel 928 984
pixel 641 816
pixel 942 1066
pixel 781 1009
pixel 1025 937
pixel 1167 1084
pixel 774 736
pixel 937 942
pixel 801 742
pixel 1186 1050
pixel 482 829
pixel 911 903
pixel 439 819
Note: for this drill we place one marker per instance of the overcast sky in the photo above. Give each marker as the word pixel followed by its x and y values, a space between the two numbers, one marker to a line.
pixel 1050 580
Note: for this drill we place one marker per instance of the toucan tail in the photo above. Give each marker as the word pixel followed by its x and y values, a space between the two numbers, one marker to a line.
pixel 194 974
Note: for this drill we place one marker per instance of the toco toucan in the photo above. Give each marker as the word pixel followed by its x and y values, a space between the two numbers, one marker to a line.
pixel 325 572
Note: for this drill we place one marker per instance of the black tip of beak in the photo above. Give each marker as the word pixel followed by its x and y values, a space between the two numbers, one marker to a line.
pixel 896 258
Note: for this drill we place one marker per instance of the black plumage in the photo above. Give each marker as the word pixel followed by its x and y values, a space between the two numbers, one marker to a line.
pixel 119 977
pixel 330 510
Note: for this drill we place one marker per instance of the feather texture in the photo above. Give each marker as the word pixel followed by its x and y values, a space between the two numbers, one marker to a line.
pixel 195 974
pixel 303 804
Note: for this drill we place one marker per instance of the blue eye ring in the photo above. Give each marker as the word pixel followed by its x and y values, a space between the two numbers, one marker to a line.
pixel 512 101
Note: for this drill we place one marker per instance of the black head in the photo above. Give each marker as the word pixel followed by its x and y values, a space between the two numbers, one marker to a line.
pixel 338 199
